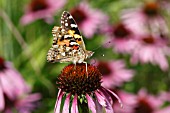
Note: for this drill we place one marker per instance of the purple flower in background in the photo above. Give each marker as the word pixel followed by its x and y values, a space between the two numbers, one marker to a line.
pixel 11 83
pixel 114 73
pixel 84 89
pixel 147 103
pixel 88 19
pixel 146 19
pixel 14 92
pixel 41 9
pixel 23 104
pixel 121 38
pixel 151 49
pixel 129 102
pixel 140 103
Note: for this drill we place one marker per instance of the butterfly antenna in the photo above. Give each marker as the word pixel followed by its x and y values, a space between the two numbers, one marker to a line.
pixel 105 44
pixel 102 45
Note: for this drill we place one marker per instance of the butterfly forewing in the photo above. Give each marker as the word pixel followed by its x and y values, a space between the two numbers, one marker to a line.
pixel 68 44
pixel 68 22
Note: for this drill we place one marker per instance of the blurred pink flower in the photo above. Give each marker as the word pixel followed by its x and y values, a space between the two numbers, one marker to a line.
pixel 89 20
pixel 14 92
pixel 23 104
pixel 121 38
pixel 146 19
pixel 140 103
pixel 114 73
pixel 147 103
pixel 129 102
pixel 77 83
pixel 11 83
pixel 150 104
pixel 41 9
pixel 151 49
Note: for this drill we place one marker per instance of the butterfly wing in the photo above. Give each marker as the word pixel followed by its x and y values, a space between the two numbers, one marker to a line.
pixel 62 47
pixel 69 24
pixel 67 42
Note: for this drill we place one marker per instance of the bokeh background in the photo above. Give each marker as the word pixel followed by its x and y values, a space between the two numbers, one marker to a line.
pixel 130 39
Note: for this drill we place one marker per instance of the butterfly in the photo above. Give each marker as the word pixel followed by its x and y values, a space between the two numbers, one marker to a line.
pixel 68 44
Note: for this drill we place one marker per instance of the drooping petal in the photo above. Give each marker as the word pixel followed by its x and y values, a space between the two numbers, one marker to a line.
pixel 100 99
pixel 58 102
pixel 99 108
pixel 108 97
pixel 91 103
pixel 74 108
pixel 2 103
pixel 115 96
pixel 66 104
pixel 108 108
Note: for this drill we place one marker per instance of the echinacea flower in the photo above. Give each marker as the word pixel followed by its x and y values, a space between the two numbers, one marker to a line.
pixel 83 89
pixel 88 19
pixel 142 102
pixel 14 92
pixel 114 73
pixel 151 49
pixel 146 19
pixel 147 103
pixel 41 9
pixel 22 104
pixel 121 38
pixel 11 83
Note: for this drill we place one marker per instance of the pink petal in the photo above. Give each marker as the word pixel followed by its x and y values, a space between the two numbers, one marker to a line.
pixel 115 96
pixel 91 103
pixel 108 107
pixel 164 110
pixel 74 108
pixel 7 86
pixel 107 96
pixel 66 104
pixel 2 103
pixel 100 99
pixel 99 108
pixel 19 83
pixel 58 102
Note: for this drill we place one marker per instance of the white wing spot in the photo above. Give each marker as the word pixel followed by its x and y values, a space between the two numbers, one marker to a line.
pixel 63 54
pixel 54 35
pixel 66 24
pixel 73 25
pixel 73 43
pixel 65 36
pixel 70 17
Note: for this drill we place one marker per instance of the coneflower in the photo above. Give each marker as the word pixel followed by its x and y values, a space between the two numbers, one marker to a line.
pixel 81 91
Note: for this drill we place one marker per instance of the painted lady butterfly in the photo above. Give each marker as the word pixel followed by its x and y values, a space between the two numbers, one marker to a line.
pixel 68 44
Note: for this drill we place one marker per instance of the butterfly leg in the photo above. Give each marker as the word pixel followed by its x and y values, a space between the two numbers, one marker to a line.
pixel 86 68
pixel 75 66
